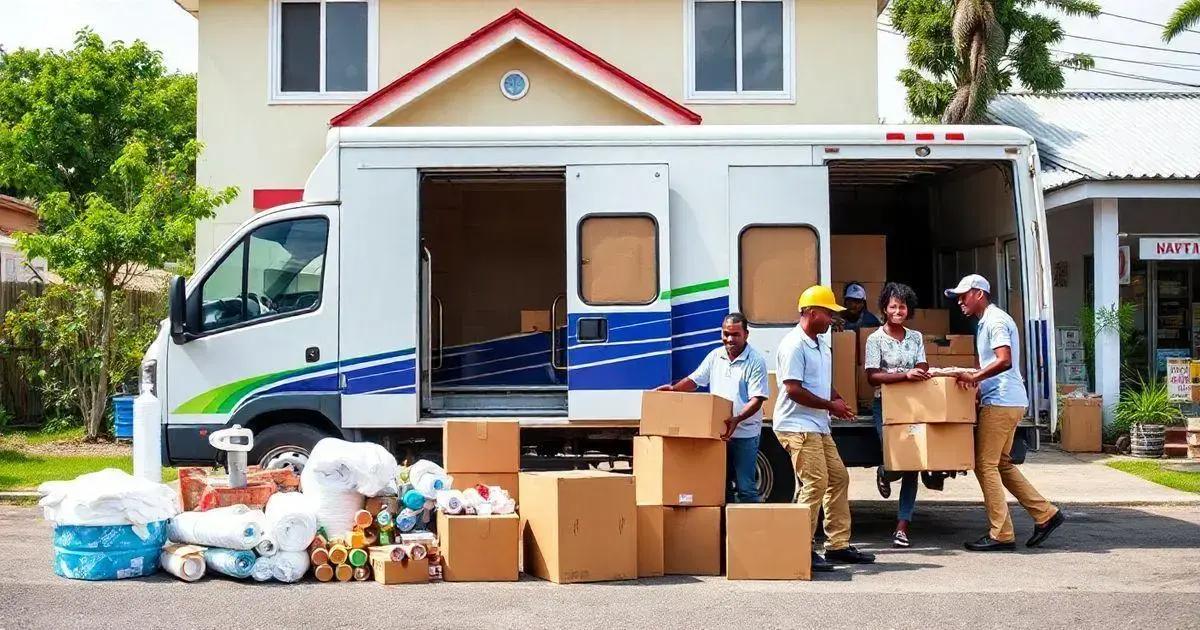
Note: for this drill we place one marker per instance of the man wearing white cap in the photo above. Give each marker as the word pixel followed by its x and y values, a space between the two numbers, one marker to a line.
pixel 856 315
pixel 1002 405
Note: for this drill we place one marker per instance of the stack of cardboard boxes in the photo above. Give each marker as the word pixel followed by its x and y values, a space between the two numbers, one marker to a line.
pixel 860 258
pixel 928 425
pixel 944 350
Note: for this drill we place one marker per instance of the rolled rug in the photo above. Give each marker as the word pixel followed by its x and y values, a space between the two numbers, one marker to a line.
pixel 185 562
pixel 450 501
pixel 236 563
pixel 266 547
pixel 291 520
pixel 233 527
pixel 289 566
pixel 263 568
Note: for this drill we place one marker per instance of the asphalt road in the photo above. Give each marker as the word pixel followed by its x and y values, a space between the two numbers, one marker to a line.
pixel 1108 567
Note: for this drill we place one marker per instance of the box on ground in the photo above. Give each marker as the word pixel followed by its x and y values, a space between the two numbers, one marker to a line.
pixel 681 414
pixel 535 321
pixel 407 571
pixel 938 399
pixel 679 471
pixel 865 392
pixel 479 548
pixel 858 257
pixel 508 481
pixel 941 447
pixel 692 540
pixel 1081 424
pixel 650 540
pixel 949 344
pixel 492 446
pixel 951 360
pixel 580 525
pixel 930 321
pixel 768 541
pixel 845 367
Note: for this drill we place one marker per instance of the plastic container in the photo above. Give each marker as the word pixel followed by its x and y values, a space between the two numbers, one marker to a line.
pixel 123 417
pixel 107 552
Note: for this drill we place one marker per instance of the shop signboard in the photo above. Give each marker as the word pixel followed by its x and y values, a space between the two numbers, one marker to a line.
pixel 1179 379
pixel 1169 248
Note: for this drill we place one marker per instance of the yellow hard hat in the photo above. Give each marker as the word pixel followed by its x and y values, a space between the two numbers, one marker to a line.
pixel 818 295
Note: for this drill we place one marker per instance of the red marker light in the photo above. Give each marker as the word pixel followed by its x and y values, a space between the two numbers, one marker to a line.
pixel 925 136
pixel 956 135
pixel 895 135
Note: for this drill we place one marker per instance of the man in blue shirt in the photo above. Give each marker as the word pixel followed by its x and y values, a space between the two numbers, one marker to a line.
pixel 857 315
pixel 1003 401
pixel 736 372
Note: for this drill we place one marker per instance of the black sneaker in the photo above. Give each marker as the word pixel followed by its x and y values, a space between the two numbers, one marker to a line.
pixel 882 484
pixel 987 543
pixel 819 564
pixel 849 555
pixel 1041 532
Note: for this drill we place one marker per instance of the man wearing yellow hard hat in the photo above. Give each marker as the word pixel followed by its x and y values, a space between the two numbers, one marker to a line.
pixel 804 370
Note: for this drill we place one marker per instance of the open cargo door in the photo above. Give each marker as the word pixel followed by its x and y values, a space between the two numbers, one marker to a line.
pixel 618 268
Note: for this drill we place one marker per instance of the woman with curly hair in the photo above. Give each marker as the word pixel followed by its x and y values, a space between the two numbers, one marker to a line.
pixel 895 354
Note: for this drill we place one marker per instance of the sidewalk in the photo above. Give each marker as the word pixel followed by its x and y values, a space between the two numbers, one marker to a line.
pixel 1069 478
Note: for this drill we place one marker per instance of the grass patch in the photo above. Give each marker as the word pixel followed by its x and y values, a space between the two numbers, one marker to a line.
pixel 25 471
pixel 1156 472
pixel 30 437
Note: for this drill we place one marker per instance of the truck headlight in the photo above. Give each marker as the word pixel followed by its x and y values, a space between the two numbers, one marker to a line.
pixel 148 383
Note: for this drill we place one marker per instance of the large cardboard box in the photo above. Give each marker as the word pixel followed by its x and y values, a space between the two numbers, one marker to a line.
pixel 508 481
pixel 951 360
pixel 930 321
pixel 680 414
pixel 938 399
pixel 579 525
pixel 858 258
pixel 845 367
pixel 408 571
pixel 769 406
pixel 482 446
pixel 949 344
pixel 479 548
pixel 679 471
pixel 942 447
pixel 692 541
pixel 1082 424
pixel 865 392
pixel 768 541
pixel 650 540
pixel 535 321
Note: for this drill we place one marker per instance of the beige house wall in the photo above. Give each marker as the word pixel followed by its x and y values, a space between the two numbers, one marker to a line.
pixel 253 144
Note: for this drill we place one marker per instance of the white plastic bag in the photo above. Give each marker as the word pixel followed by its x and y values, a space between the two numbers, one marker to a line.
pixel 291 520
pixel 361 466
pixel 108 497
pixel 234 527
pixel 335 507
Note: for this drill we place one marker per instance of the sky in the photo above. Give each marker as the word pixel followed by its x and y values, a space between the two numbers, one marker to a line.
pixel 166 27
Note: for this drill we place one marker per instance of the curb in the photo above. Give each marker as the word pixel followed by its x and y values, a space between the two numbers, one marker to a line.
pixel 19 498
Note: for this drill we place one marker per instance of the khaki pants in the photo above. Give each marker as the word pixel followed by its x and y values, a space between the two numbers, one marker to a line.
pixel 824 483
pixel 995 471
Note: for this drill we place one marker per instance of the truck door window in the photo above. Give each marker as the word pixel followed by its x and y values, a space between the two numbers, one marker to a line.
pixel 618 260
pixel 777 263
pixel 221 293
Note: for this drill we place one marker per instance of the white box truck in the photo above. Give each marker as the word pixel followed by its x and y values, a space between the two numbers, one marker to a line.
pixel 553 274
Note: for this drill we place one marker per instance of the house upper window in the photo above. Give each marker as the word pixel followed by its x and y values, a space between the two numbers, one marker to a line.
pixel 323 50
pixel 740 50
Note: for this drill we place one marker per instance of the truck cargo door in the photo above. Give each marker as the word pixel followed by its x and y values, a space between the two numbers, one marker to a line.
pixel 618 270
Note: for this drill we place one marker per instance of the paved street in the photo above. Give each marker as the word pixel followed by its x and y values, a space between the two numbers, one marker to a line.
pixel 1108 567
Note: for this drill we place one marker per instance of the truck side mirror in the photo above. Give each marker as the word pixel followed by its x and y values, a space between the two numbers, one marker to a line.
pixel 178 304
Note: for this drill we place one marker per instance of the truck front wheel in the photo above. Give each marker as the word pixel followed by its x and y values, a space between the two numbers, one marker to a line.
pixel 285 446
pixel 774 475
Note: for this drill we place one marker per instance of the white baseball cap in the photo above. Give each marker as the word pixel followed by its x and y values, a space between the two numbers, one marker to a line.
pixel 855 291
pixel 973 281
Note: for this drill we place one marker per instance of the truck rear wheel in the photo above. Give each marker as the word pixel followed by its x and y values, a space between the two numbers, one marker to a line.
pixel 774 475
pixel 285 445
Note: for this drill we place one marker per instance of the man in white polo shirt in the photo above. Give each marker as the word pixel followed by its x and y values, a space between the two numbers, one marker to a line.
pixel 736 372
pixel 804 369
pixel 1003 401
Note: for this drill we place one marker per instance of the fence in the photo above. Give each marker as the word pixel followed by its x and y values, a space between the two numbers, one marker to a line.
pixel 17 395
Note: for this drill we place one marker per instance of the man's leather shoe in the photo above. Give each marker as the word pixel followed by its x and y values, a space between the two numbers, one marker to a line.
pixel 819 564
pixel 987 543
pixel 1041 532
pixel 849 555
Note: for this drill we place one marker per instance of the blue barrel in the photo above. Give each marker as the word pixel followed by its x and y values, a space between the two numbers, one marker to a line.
pixel 123 417
pixel 107 552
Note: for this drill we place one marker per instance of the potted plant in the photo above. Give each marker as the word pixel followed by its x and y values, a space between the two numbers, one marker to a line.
pixel 1145 411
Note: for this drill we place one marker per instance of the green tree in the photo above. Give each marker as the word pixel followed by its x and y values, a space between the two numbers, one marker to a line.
pixel 961 53
pixel 1183 19
pixel 103 138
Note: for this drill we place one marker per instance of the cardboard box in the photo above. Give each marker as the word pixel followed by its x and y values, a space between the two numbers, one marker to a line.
pixel 479 548
pixel 508 481
pixel 845 367
pixel 1082 424
pixel 951 360
pixel 482 446
pixel 949 344
pixel 408 571
pixel 650 540
pixel 865 392
pixel 769 406
pixel 687 415
pixel 930 321
pixel 692 541
pixel 535 321
pixel 937 400
pixel 679 471
pixel 580 525
pixel 941 447
pixel 874 289
pixel 768 541
pixel 858 258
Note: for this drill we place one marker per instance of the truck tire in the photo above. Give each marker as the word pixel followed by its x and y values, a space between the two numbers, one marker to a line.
pixel 285 446
pixel 774 475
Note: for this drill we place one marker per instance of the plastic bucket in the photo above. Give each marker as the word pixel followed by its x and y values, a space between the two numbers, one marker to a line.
pixel 107 552
pixel 123 417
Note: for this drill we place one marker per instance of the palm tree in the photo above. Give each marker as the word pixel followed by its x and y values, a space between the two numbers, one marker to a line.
pixel 980 42
pixel 1182 19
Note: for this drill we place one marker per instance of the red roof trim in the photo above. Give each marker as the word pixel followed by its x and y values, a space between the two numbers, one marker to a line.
pixel 12 203
pixel 266 198
pixel 354 113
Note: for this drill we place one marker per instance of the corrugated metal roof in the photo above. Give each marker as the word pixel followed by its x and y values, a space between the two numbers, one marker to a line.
pixel 1103 135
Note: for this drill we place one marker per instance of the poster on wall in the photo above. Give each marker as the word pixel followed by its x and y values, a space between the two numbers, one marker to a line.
pixel 1123 264
pixel 1179 379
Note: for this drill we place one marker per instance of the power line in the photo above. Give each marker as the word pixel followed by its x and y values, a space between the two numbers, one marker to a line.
pixel 1109 41
pixel 1135 77
pixel 1157 64
pixel 1140 20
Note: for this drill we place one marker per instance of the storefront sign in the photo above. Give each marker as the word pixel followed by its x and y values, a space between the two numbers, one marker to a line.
pixel 1175 248
pixel 1179 379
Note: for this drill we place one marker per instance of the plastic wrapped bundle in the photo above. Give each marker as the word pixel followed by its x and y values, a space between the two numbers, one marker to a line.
pixel 236 563
pixel 285 566
pixel 291 521
pixel 185 562
pixel 266 546
pixel 108 497
pixel 233 527
pixel 428 478
pixel 450 501
pixel 262 569
pixel 339 475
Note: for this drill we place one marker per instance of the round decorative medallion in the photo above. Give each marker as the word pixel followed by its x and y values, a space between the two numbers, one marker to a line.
pixel 514 85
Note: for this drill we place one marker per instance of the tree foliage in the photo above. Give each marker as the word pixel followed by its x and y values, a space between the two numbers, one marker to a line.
pixel 961 53
pixel 1183 19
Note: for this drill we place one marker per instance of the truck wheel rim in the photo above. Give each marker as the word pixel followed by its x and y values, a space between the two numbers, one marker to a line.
pixel 281 457
pixel 764 476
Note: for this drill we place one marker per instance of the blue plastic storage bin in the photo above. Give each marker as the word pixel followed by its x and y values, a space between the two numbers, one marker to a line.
pixel 107 552
pixel 123 417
